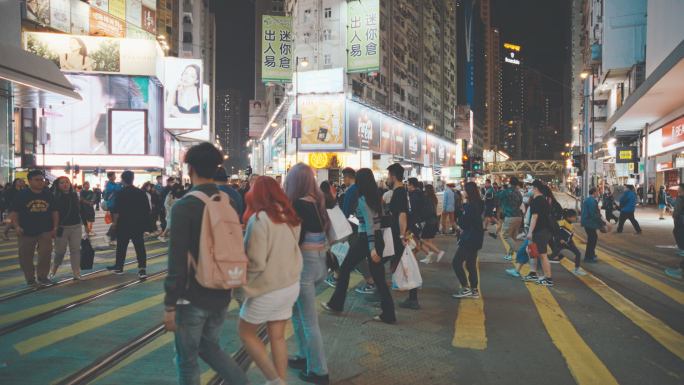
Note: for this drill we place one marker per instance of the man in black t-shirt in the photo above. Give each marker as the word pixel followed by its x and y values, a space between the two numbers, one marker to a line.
pixel 98 197
pixel 35 219
pixel 130 214
pixel 540 232
pixel 401 221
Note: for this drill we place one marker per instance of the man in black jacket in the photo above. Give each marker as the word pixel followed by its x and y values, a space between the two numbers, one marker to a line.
pixel 130 215
pixel 195 313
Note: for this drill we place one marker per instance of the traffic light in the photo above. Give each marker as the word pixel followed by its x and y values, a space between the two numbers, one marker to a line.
pixel 477 164
pixel 77 169
pixel 248 170
pixel 68 167
pixel 579 162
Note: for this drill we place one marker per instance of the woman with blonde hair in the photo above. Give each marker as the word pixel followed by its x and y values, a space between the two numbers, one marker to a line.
pixel 309 203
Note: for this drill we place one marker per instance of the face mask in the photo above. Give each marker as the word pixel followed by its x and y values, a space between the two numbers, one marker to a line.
pixel 529 193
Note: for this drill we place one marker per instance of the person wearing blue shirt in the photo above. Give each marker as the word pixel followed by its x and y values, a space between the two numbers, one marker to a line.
pixel 592 221
pixel 221 180
pixel 627 207
pixel 111 188
pixel 160 184
pixel 448 209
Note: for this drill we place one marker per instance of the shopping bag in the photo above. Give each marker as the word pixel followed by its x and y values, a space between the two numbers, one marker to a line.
pixel 389 243
pixel 407 276
pixel 108 217
pixel 532 250
pixel 87 254
pixel 340 251
pixel 339 228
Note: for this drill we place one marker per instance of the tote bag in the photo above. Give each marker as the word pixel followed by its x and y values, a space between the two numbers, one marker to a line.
pixel 339 229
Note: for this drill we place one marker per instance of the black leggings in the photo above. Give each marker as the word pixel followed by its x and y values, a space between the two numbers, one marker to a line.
pixel 625 216
pixel 557 247
pixel 356 254
pixel 463 254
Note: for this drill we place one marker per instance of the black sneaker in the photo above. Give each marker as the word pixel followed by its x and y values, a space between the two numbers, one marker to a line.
pixel 31 282
pixel 531 277
pixel 115 269
pixel 44 281
pixel 544 282
pixel 142 273
pixel 314 378
pixel 410 304
pixel 297 363
pixel 493 235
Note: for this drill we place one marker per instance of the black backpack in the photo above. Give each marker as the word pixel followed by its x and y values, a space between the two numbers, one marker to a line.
pixel 428 213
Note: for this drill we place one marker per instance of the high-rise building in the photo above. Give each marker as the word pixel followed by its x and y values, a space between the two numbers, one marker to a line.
pixel 512 100
pixel 416 80
pixel 492 77
pixel 167 24
pixel 230 129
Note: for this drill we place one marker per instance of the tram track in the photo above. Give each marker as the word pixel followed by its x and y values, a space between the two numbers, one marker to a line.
pixel 36 289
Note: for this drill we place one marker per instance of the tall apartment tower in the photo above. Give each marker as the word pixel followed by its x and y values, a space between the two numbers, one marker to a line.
pixel 416 81
pixel 167 24
pixel 492 82
pixel 494 64
pixel 229 128
pixel 512 100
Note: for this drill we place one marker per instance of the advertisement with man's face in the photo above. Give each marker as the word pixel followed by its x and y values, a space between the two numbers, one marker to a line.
pixel 82 127
pixel 414 140
pixel 94 54
pixel 322 122
pixel 183 99
pixel 364 127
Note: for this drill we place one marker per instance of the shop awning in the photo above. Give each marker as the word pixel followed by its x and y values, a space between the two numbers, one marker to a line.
pixel 659 95
pixel 33 81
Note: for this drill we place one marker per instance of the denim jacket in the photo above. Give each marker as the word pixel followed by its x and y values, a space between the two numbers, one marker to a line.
pixel 591 216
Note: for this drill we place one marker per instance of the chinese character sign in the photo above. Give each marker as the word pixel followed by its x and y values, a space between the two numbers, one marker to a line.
pixel 276 49
pixel 322 122
pixel 363 36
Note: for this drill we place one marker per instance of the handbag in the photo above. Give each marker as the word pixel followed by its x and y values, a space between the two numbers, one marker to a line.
pixel 532 250
pixel 87 254
pixel 330 260
pixel 387 237
pixel 108 217
pixel 339 229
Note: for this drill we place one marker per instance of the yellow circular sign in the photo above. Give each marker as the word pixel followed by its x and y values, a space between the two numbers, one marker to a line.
pixel 318 160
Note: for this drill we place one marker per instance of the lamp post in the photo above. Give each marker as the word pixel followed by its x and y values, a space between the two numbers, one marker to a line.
pixel 304 63
pixel 426 161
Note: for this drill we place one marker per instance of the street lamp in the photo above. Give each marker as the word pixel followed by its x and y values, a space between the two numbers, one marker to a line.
pixel 584 75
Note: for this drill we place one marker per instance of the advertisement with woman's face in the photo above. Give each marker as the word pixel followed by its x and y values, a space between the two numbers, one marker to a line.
pixel 82 127
pixel 183 99
pixel 414 140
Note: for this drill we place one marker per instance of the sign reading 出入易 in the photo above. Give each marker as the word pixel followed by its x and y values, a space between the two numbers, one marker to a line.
pixel 276 49
pixel 363 36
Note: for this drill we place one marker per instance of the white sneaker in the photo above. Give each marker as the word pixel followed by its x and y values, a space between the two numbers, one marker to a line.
pixel 107 238
pixel 425 261
pixel 440 256
pixel 161 238
pixel 521 236
pixel 579 272
pixel 430 258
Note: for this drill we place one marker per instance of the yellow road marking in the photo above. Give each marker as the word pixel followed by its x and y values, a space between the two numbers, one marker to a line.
pixel 470 330
pixel 30 312
pixel 289 329
pixel 669 291
pixel 583 363
pixel 662 333
pixel 47 339
pixel 10 281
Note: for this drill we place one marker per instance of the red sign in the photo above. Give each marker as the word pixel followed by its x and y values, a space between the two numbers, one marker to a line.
pixel 149 20
pixel 102 24
pixel 673 132
pixel 664 166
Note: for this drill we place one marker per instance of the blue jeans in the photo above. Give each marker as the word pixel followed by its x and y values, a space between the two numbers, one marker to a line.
pixel 304 315
pixel 198 335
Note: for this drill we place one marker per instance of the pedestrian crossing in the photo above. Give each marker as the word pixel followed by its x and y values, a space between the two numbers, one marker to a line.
pixel 584 364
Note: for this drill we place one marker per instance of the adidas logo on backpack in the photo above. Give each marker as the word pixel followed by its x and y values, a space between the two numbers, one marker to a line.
pixel 222 262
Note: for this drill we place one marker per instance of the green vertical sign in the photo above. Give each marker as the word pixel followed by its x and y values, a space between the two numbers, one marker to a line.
pixel 363 36
pixel 276 49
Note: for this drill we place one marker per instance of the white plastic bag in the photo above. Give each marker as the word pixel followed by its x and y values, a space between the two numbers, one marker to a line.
pixel 389 242
pixel 340 251
pixel 339 228
pixel 407 276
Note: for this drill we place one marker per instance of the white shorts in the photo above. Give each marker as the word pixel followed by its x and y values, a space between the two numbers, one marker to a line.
pixel 272 306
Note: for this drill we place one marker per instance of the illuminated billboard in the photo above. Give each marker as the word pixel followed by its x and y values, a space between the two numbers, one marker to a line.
pixel 276 47
pixel 322 122
pixel 73 53
pixel 183 99
pixel 363 36
pixel 127 132
pixel 204 134
pixel 257 117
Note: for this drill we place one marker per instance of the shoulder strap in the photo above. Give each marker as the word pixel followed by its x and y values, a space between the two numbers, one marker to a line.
pixel 321 222
pixel 199 195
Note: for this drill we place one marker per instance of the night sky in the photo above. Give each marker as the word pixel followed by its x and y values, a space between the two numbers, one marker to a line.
pixel 538 26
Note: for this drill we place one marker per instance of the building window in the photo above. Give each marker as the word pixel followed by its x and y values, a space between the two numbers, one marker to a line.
pixel 327 60
pixel 327 34
pixel 306 38
pixel 275 8
pixel 328 13
pixel 307 15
